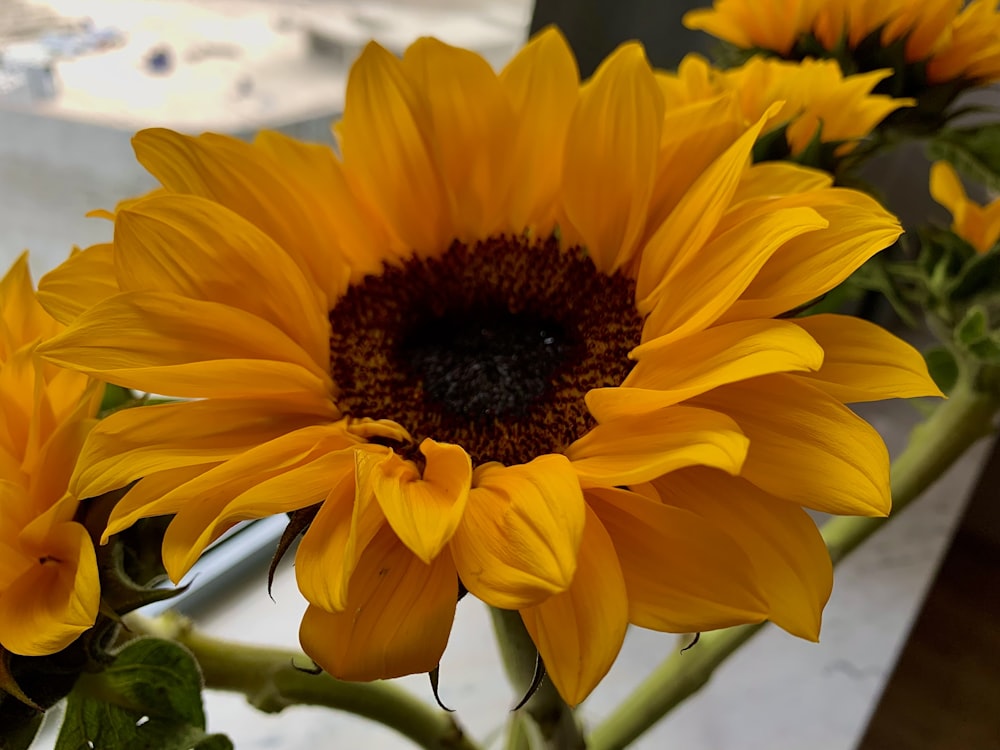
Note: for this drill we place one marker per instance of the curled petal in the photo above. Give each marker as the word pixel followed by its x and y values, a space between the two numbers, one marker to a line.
pixel 329 551
pixel 579 632
pixel 397 619
pixel 423 511
pixel 521 531
pixel 54 600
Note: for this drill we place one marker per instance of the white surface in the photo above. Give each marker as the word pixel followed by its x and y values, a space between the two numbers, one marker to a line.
pixel 778 693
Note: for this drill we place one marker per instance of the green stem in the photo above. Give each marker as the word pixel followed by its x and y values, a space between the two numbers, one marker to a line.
pixel 556 721
pixel 271 681
pixel 934 445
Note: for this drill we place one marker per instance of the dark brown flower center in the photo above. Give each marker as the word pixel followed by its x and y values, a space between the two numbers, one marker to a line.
pixel 491 347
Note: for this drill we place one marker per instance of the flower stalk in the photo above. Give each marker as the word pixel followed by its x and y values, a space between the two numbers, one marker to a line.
pixel 273 679
pixel 934 445
pixel 556 721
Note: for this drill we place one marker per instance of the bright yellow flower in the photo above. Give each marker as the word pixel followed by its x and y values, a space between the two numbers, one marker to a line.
pixel 957 43
pixel 49 589
pixel 520 335
pixel 976 224
pixel 817 97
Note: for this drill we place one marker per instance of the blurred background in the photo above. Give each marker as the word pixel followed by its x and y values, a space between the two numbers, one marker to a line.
pixel 77 79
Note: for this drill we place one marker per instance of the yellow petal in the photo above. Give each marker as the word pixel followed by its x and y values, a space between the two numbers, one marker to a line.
pixel 200 501
pixel 679 238
pixel 630 450
pixel 693 136
pixel 55 600
pixel 187 348
pixel 864 362
pixel 18 377
pixel 383 138
pixel 22 319
pixel 726 267
pixel 579 633
pixel 521 531
pixel 423 511
pixel 148 493
pixel 397 619
pixel 610 159
pixel 807 447
pixel 291 490
pixel 669 372
pixel 79 283
pixel 682 573
pixel 352 229
pixel 192 247
pixel 248 181
pixel 471 123
pixel 809 266
pixel 329 551
pixel 775 178
pixel 50 471
pixel 791 565
pixel 134 443
pixel 542 84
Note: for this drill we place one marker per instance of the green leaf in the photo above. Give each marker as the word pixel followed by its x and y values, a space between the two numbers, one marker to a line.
pixel 987 350
pixel 973 327
pixel 943 368
pixel 973 151
pixel 148 699
pixel 980 274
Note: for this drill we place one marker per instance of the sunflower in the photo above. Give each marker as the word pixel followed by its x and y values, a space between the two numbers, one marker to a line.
pixel 976 224
pixel 49 589
pixel 936 48
pixel 519 340
pixel 822 108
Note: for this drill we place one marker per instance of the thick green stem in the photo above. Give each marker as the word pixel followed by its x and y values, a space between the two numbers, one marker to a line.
pixel 273 679
pixel 934 445
pixel 556 720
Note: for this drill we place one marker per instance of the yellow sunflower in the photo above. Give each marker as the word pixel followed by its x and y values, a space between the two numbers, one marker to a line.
pixel 976 224
pixel 520 338
pixel 819 102
pixel 49 588
pixel 952 42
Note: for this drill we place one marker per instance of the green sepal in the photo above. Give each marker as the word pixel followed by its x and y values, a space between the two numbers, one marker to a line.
pixel 149 697
pixel 120 593
pixel 9 683
pixel 116 397
pixel 19 733
pixel 130 565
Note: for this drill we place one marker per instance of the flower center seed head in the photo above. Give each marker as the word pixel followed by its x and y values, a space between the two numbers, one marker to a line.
pixel 491 347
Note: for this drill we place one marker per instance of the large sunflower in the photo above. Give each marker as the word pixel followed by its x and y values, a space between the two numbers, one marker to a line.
pixel 49 588
pixel 822 109
pixel 927 42
pixel 520 338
